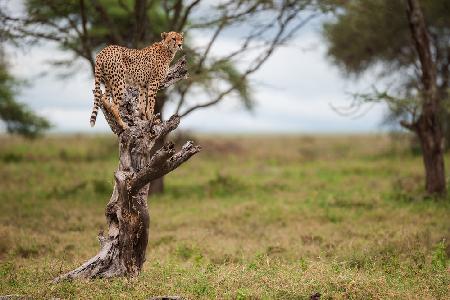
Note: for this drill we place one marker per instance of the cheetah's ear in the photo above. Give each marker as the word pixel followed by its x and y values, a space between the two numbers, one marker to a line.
pixel 164 35
pixel 182 33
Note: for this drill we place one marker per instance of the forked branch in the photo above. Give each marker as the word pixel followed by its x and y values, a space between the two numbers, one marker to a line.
pixel 163 162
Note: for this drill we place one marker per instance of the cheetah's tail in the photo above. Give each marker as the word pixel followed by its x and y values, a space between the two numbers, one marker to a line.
pixel 97 96
pixel 94 113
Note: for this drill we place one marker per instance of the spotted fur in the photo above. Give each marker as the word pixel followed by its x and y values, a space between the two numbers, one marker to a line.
pixel 116 67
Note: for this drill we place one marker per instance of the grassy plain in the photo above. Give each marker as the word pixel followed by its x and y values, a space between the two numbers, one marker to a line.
pixel 248 218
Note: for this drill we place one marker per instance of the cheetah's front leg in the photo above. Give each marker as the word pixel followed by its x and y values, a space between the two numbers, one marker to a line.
pixel 151 99
pixel 142 102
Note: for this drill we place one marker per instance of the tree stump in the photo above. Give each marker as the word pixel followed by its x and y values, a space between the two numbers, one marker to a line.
pixel 122 248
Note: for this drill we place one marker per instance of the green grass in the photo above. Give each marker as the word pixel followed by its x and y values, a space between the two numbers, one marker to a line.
pixel 247 218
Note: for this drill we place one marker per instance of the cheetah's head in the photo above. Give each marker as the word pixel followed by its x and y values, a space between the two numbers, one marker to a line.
pixel 173 40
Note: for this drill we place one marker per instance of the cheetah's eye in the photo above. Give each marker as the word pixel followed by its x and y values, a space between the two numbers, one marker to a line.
pixel 174 39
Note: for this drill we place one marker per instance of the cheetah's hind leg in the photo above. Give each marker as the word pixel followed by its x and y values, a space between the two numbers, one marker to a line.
pixel 113 110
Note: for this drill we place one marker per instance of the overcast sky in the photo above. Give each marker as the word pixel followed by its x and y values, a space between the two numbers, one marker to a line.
pixel 294 92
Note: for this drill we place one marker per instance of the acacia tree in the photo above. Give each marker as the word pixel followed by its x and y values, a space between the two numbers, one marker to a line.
pixel 409 46
pixel 82 27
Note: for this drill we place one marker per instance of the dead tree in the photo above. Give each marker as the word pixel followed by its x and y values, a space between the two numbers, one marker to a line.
pixel 122 248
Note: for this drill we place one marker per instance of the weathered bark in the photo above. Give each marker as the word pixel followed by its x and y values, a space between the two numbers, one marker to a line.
pixel 157 185
pixel 141 160
pixel 432 143
pixel 428 126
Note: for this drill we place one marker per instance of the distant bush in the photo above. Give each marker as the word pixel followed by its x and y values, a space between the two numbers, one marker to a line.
pixel 101 187
pixel 223 185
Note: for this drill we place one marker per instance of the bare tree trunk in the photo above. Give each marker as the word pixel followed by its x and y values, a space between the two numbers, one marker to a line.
pixel 432 142
pixel 428 127
pixel 141 160
pixel 157 185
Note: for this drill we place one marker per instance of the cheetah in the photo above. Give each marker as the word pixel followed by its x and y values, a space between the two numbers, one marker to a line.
pixel 116 67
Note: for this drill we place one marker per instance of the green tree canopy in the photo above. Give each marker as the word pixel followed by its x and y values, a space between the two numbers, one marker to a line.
pixel 17 117
pixel 84 27
pixel 374 35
